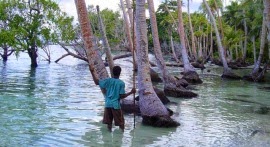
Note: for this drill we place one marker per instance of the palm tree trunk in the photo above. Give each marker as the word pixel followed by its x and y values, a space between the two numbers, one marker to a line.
pixel 267 11
pixel 192 35
pixel 188 46
pixel 262 46
pixel 127 26
pixel 173 50
pixel 220 47
pixel 150 105
pixel 157 48
pixel 211 43
pixel 236 52
pixel 96 65
pixel 187 66
pixel 130 13
pixel 105 43
pixel 170 83
pixel 245 41
pixel 128 33
pixel 221 28
pixel 189 72
pixel 254 48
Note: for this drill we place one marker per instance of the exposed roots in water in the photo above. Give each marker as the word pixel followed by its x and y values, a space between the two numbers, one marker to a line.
pixel 230 75
pixel 160 121
pixel 179 92
pixel 192 77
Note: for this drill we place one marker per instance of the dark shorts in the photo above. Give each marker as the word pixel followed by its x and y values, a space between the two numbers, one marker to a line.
pixel 111 114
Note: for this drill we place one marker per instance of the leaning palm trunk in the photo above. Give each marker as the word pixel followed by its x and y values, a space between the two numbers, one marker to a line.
pixel 153 111
pixel 105 43
pixel 189 72
pixel 172 87
pixel 127 26
pixel 128 32
pixel 262 46
pixel 267 9
pixel 192 35
pixel 245 41
pixel 254 48
pixel 173 50
pixel 227 73
pixel 96 65
pixel 255 74
pixel 130 13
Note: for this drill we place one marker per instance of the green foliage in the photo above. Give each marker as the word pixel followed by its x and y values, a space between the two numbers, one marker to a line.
pixel 112 21
pixel 33 24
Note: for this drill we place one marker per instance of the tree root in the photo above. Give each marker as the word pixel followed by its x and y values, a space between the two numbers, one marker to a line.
pixel 230 75
pixel 177 92
pixel 160 121
pixel 192 77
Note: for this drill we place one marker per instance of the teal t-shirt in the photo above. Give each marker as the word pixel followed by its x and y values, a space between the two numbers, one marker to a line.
pixel 114 87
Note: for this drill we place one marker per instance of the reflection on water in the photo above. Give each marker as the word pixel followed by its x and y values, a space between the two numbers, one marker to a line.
pixel 59 105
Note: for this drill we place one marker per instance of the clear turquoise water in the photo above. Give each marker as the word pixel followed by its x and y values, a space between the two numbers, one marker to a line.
pixel 59 105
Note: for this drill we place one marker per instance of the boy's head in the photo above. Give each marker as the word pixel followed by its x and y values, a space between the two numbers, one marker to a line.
pixel 116 71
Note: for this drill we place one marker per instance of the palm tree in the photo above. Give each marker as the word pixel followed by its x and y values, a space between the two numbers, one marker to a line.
pixel 226 70
pixel 267 12
pixel 256 74
pixel 171 86
pixel 127 26
pixel 105 43
pixel 96 65
pixel 192 34
pixel 152 110
pixel 128 33
pixel 189 72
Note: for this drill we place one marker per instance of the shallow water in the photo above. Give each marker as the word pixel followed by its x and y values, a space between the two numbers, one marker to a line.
pixel 59 105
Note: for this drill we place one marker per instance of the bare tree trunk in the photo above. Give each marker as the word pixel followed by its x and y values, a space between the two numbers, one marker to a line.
pixel 192 35
pixel 221 28
pixel 189 72
pixel 170 83
pixel 188 45
pixel 221 50
pixel 173 51
pixel 245 41
pixel 128 33
pixel 96 66
pixel 130 13
pixel 236 53
pixel 200 46
pixel 105 43
pixel 254 49
pixel 211 43
pixel 227 73
pixel 263 35
pixel 262 46
pixel 187 66
pixel 150 105
pixel 127 26
pixel 267 11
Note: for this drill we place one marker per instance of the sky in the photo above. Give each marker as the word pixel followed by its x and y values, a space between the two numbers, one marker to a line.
pixel 68 6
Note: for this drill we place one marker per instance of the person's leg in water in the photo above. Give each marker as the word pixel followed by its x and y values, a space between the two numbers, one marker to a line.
pixel 108 118
pixel 119 119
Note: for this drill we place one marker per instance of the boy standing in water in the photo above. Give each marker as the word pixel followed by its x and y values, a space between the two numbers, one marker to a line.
pixel 115 90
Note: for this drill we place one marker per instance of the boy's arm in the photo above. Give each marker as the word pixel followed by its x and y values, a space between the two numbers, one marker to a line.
pixel 122 96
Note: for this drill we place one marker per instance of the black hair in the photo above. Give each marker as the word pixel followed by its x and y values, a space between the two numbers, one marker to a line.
pixel 116 71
